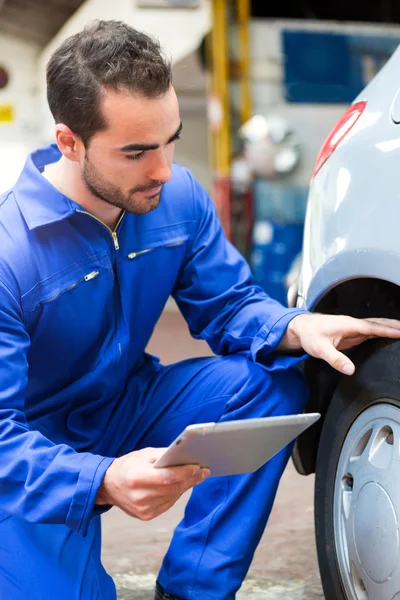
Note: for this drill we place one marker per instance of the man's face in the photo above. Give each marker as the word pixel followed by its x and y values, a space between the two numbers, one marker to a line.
pixel 127 164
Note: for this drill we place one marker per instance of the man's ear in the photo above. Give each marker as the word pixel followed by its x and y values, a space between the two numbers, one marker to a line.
pixel 68 142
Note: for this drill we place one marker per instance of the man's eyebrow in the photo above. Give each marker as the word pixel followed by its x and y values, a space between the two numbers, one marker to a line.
pixel 176 134
pixel 145 147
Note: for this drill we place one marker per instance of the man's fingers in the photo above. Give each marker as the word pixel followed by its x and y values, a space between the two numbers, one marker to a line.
pixel 331 334
pixel 336 359
pixel 184 486
pixel 175 475
pixel 176 494
pixel 379 328
pixel 181 487
pixel 141 494
pixel 393 323
pixel 145 503
pixel 371 326
pixel 153 454
pixel 388 327
pixel 156 511
pixel 186 476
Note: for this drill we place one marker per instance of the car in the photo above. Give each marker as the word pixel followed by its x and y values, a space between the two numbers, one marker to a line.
pixel 350 265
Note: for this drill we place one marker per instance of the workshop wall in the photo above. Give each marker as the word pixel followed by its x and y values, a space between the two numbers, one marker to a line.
pixel 311 122
pixel 18 106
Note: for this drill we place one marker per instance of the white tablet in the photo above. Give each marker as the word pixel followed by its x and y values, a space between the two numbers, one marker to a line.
pixel 234 447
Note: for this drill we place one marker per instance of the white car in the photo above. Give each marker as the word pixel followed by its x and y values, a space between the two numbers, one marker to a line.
pixel 351 265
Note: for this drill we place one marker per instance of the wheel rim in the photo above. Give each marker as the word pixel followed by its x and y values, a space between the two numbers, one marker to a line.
pixel 367 505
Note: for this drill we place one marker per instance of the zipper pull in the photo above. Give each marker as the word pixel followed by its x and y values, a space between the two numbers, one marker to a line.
pixel 135 254
pixel 115 238
pixel 91 275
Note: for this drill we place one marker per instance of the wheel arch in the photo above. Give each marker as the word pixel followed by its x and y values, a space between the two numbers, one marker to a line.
pixel 359 298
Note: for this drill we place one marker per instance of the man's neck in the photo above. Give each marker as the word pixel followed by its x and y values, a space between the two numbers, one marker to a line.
pixel 65 176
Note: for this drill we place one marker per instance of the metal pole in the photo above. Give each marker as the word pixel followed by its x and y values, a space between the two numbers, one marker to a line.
pixel 221 83
pixel 243 11
pixel 219 113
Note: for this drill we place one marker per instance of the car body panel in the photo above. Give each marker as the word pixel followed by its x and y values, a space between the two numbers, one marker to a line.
pixel 351 250
pixel 353 213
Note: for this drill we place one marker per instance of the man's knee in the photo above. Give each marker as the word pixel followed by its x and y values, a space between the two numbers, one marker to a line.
pixel 288 386
pixel 270 392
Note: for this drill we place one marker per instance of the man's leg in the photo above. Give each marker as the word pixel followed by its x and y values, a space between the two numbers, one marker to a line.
pixel 51 562
pixel 213 546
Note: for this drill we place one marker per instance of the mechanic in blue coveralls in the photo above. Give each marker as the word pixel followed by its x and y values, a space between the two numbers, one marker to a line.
pixel 100 229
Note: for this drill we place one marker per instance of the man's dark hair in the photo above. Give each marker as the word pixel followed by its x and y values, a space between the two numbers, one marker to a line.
pixel 105 55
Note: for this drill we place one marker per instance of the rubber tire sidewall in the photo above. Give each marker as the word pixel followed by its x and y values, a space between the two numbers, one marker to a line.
pixel 376 377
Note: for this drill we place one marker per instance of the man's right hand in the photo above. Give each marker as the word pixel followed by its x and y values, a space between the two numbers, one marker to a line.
pixel 132 483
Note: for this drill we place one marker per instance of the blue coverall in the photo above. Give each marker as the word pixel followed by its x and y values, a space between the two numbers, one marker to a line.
pixel 78 305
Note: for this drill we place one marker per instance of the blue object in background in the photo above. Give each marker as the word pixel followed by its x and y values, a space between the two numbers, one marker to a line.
pixel 317 67
pixel 275 247
pixel 322 66
pixel 279 212
pixel 282 203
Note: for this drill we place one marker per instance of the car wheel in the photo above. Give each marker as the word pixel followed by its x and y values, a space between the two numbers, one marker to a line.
pixel 357 485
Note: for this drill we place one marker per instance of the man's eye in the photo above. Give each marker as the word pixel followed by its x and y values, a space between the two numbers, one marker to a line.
pixel 135 156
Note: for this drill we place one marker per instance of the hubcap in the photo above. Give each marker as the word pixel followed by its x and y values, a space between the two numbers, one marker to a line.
pixel 367 506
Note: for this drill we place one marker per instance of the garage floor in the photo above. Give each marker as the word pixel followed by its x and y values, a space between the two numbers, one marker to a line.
pixel 285 564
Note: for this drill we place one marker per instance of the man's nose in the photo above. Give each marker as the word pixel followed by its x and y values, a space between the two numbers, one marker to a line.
pixel 159 169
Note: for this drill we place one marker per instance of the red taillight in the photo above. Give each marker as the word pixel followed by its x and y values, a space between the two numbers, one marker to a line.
pixel 338 133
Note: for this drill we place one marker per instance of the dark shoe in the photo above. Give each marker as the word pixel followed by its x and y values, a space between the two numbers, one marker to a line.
pixel 161 594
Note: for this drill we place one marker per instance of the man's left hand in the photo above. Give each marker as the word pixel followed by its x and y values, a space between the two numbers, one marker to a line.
pixel 323 336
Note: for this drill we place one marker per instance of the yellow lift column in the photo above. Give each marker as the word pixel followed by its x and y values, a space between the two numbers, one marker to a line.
pixel 243 13
pixel 225 15
pixel 219 111
pixel 244 231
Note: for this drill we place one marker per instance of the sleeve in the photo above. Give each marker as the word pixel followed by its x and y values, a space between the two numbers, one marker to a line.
pixel 219 300
pixel 39 481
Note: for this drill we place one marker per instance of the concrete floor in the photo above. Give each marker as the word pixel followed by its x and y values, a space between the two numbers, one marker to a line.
pixel 285 564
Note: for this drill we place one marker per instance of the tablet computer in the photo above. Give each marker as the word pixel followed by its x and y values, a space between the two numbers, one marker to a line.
pixel 234 447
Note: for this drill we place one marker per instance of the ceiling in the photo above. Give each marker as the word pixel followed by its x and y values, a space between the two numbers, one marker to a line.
pixel 35 21
pixel 38 21
pixel 378 11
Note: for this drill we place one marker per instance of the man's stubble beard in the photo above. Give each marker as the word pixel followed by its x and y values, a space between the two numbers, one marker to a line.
pixel 106 191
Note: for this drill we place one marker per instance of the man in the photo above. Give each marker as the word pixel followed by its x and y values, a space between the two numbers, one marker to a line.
pixel 97 233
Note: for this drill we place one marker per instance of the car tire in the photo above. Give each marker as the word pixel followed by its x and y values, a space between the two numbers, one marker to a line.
pixel 354 549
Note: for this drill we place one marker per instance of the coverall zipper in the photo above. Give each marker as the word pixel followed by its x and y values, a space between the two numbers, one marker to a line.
pixel 113 233
pixel 116 247
pixel 139 252
pixel 87 277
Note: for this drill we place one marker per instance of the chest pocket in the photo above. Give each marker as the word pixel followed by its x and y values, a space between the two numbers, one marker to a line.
pixel 160 246
pixel 158 240
pixel 70 318
pixel 152 263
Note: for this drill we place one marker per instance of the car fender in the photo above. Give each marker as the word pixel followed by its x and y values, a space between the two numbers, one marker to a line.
pixel 354 264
